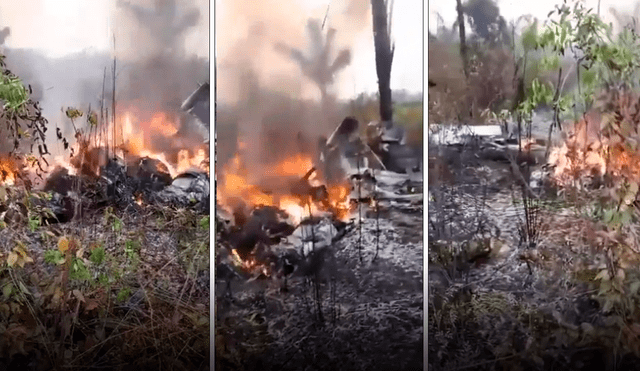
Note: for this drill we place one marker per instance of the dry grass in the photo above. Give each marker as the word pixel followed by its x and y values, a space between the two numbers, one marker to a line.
pixel 448 100
pixel 454 99
pixel 127 292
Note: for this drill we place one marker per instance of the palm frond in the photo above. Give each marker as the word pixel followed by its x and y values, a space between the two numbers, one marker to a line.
pixel 342 60
pixel 315 35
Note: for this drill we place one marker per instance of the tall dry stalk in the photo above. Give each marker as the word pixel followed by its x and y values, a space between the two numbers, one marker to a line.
pixel 113 99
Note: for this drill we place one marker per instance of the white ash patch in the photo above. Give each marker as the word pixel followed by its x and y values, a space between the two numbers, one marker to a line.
pixel 390 245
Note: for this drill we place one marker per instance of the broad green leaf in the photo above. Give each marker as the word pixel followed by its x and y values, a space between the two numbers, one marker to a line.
pixel 608 216
pixel 53 257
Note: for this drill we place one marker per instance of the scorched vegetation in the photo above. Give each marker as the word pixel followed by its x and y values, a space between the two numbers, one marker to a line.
pixel 534 240
pixel 97 271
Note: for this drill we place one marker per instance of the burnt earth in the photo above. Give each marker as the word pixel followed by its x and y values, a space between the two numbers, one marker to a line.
pixel 520 306
pixel 336 312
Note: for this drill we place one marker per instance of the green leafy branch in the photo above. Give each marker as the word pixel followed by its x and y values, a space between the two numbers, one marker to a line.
pixel 13 93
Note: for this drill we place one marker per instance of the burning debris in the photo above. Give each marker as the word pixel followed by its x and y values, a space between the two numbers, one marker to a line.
pixel 297 195
pixel 111 173
pixel 345 152
pixel 138 171
pixel 291 231
pixel 299 207
pixel 291 199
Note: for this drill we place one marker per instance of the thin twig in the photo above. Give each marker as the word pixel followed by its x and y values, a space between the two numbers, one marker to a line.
pixel 359 209
pixel 113 100
pixel 556 114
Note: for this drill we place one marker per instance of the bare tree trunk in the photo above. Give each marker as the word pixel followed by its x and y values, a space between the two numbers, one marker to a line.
pixel 463 38
pixel 384 57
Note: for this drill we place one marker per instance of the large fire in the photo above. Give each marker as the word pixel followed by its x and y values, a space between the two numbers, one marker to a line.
pixel 132 137
pixel 236 184
pixel 138 139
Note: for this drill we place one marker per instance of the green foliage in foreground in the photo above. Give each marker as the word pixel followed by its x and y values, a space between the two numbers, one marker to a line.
pixel 13 93
pixel 601 59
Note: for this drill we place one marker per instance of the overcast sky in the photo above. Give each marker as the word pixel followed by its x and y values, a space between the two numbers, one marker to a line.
pixel 61 27
pixel 511 10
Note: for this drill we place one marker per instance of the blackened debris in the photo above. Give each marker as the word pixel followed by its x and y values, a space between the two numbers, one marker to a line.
pixel 60 181
pixel 190 189
pixel 61 208
pixel 119 187
pixel 151 175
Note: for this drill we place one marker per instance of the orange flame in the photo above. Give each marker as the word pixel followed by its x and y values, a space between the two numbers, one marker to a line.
pixel 234 184
pixel 586 153
pixel 136 138
pixel 139 137
pixel 297 165
pixel 162 125
pixel 7 173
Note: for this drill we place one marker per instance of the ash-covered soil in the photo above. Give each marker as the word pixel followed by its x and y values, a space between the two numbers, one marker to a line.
pixel 496 302
pixel 372 310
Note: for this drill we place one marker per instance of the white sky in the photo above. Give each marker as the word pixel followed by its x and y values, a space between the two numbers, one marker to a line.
pixel 406 71
pixel 511 10
pixel 60 27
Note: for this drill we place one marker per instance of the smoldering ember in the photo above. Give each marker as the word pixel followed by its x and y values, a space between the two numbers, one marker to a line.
pixel 533 191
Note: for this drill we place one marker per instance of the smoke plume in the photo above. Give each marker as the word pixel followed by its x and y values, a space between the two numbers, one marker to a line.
pixel 154 70
pixel 157 69
pixel 275 76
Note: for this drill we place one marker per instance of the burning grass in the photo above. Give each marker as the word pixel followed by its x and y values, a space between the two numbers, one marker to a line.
pixel 575 303
pixel 604 142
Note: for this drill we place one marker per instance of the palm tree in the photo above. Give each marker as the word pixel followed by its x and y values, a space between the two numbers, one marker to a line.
pixel 316 63
pixel 165 23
